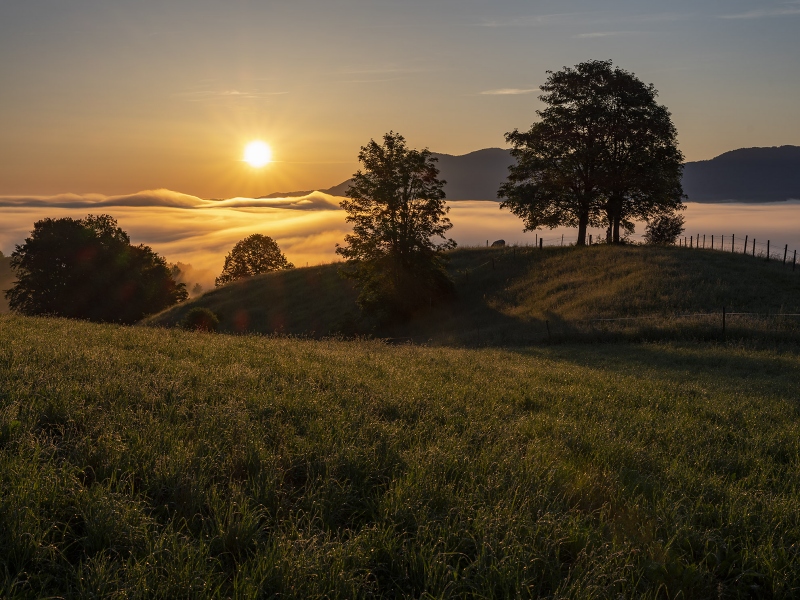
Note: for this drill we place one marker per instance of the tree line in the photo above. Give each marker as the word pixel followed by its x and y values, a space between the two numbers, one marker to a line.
pixel 603 153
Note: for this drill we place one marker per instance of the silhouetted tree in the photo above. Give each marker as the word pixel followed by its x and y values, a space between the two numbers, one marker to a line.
pixel 664 230
pixel 397 208
pixel 604 153
pixel 253 255
pixel 88 269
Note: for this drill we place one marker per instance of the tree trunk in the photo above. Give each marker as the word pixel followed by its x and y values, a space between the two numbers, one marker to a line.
pixel 583 224
pixel 616 229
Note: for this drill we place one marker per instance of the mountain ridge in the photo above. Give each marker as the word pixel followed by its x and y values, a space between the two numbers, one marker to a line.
pixel 756 174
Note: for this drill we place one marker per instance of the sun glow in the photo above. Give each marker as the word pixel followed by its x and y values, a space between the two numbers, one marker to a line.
pixel 257 154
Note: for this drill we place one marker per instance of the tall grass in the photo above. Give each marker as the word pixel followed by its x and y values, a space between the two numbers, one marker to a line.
pixel 149 463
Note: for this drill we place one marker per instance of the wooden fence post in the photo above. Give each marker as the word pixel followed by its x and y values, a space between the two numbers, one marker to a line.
pixel 691 241
pixel 745 245
pixel 767 249
pixel 590 239
pixel 562 239
pixel 733 242
pixel 754 246
pixel 541 243
pixel 794 260
pixel 712 242
pixel 722 244
pixel 785 252
pixel 704 241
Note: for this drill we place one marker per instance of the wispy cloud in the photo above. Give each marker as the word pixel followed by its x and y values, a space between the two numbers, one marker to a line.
pixel 605 34
pixel 530 20
pixel 225 94
pixel 787 9
pixel 509 91
pixel 585 18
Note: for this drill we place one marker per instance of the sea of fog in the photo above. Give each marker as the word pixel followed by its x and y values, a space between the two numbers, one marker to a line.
pixel 200 232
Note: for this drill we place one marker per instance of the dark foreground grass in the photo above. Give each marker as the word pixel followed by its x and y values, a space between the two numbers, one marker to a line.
pixel 512 295
pixel 146 463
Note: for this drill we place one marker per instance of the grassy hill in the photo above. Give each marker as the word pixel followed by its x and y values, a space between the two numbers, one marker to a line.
pixel 513 295
pixel 152 463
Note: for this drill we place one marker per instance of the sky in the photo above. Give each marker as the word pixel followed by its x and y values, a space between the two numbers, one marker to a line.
pixel 117 96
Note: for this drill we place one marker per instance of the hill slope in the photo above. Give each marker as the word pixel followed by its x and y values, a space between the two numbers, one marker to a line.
pixel 512 302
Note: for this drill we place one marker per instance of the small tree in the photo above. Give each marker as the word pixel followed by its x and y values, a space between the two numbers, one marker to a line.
pixel 88 269
pixel 664 230
pixel 253 255
pixel 397 208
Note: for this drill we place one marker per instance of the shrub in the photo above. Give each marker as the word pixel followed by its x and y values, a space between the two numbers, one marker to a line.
pixel 200 319
pixel 664 230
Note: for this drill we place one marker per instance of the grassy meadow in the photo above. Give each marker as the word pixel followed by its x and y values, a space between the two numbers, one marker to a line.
pixel 157 463
pixel 512 296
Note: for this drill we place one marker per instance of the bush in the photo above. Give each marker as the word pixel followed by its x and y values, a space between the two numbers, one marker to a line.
pixel 664 230
pixel 200 319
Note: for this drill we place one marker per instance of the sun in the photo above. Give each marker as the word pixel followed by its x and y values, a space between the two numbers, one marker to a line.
pixel 257 154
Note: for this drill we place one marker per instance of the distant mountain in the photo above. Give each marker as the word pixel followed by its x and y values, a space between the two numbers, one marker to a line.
pixel 744 175
pixel 473 176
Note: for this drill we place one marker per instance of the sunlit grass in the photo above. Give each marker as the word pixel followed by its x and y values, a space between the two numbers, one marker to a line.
pixel 141 462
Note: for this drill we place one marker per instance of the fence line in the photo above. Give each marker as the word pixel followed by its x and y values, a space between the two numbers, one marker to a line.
pixel 748 246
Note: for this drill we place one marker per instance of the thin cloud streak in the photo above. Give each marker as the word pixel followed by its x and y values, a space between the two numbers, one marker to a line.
pixel 605 34
pixel 509 91
pixel 531 20
pixel 765 13
pixel 230 94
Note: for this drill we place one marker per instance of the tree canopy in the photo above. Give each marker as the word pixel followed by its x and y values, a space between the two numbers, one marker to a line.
pixel 604 153
pixel 399 216
pixel 88 269
pixel 253 255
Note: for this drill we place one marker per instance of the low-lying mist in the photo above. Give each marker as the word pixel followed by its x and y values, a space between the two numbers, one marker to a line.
pixel 199 233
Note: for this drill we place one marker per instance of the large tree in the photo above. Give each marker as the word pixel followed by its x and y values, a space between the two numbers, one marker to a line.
pixel 399 216
pixel 253 255
pixel 603 153
pixel 88 269
pixel 641 163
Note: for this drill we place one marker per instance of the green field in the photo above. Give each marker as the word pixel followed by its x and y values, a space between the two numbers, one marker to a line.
pixel 146 462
